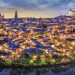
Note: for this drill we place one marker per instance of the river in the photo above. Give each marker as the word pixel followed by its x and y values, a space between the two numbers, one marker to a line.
pixel 63 70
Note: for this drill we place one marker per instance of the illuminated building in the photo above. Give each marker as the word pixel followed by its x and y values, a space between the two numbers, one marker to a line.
pixel 71 13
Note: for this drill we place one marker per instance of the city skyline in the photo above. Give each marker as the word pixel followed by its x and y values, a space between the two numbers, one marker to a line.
pixel 35 8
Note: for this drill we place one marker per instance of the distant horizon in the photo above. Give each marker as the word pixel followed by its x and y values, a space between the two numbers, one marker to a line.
pixel 7 15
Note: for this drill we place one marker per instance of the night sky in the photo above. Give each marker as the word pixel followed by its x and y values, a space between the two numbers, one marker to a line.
pixel 36 8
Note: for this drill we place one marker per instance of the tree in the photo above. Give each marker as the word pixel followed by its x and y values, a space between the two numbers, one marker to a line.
pixel 8 62
pixel 38 61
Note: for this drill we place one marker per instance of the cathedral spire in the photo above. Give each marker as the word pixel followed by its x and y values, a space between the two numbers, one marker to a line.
pixel 16 14
pixel 16 18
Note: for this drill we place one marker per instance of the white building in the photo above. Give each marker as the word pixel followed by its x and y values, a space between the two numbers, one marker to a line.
pixel 71 13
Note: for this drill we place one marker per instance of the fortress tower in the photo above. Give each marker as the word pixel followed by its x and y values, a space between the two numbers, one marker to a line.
pixel 71 13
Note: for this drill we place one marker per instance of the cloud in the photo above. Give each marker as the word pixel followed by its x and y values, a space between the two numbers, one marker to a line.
pixel 3 4
pixel 71 5
pixel 38 4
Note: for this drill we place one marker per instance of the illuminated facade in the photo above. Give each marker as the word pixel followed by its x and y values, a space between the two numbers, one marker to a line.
pixel 71 13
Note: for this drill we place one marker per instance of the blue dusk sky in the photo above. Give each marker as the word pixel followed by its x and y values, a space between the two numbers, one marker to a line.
pixel 36 8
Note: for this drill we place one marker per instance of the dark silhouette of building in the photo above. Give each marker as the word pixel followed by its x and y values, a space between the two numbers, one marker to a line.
pixel 16 15
pixel 16 18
